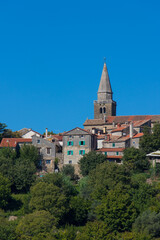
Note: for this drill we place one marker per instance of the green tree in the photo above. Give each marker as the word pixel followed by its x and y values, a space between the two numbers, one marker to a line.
pixel 7 229
pixel 89 162
pixel 150 142
pixel 35 224
pixel 105 177
pixel 117 210
pixel 23 175
pixel 30 153
pixel 69 171
pixel 148 223
pixel 48 197
pixel 5 191
pixel 96 230
pixel 135 160
pixel 78 212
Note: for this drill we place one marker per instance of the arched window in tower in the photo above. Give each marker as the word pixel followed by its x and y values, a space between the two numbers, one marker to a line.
pixel 100 110
pixel 104 110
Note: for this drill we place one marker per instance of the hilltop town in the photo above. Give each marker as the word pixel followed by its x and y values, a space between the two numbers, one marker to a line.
pixel 106 133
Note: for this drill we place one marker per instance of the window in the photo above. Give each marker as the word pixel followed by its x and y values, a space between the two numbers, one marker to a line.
pixel 105 153
pixel 40 162
pixel 70 136
pixel 39 150
pixel 113 144
pixel 70 162
pixel 48 151
pixel 100 110
pixel 104 110
pixel 81 143
pixel 70 143
pixel 117 153
pixel 48 161
pixel 69 152
pixel 38 141
pixel 81 136
pixel 81 152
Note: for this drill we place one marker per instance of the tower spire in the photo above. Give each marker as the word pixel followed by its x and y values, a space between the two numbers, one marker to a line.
pixel 105 90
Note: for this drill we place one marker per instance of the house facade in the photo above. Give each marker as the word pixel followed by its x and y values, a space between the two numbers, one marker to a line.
pixel 47 152
pixel 76 143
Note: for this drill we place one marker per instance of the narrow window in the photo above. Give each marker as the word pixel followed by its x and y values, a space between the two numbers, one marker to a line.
pixel 70 143
pixel 100 110
pixel 81 143
pixel 113 144
pixel 117 153
pixel 70 161
pixel 104 110
pixel 81 152
pixel 69 152
pixel 38 141
pixel 105 153
pixel 48 151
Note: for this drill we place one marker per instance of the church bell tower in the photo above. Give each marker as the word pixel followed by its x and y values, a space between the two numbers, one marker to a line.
pixel 104 106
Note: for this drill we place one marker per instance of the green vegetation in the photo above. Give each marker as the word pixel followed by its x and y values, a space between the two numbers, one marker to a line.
pixel 110 201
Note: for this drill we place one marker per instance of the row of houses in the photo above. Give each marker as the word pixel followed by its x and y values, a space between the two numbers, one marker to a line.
pixel 70 146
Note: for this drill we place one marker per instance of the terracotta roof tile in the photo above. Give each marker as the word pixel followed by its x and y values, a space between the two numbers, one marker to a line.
pixel 111 150
pixel 12 142
pixel 138 135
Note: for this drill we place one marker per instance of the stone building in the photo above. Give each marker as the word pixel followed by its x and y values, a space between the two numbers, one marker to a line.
pixel 15 143
pixel 104 106
pixel 76 143
pixel 47 152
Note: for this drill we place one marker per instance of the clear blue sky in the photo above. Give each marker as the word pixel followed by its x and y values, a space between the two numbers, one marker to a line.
pixel 51 59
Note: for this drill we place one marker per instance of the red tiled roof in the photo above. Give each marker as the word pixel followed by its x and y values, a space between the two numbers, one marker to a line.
pixel 138 135
pixel 115 157
pixel 119 129
pixel 60 138
pixel 12 142
pixel 111 150
pixel 122 119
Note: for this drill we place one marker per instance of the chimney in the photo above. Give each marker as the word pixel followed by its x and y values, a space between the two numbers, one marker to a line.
pixel 93 130
pixel 104 130
pixel 46 132
pixel 131 129
pixel 108 137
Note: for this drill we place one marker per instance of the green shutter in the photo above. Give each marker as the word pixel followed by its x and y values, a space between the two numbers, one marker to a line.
pixel 79 152
pixel 83 142
pixel 67 152
pixel 71 152
pixel 83 152
pixel 80 143
pixel 117 153
pixel 105 153
pixel 72 143
pixel 67 143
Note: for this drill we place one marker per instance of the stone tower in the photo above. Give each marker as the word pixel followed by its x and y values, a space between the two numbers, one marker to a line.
pixel 104 106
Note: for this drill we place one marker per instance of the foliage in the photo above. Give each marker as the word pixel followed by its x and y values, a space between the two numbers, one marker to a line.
pixel 48 197
pixel 105 177
pixel 7 229
pixel 78 212
pixel 5 191
pixel 135 160
pixel 95 230
pixel 60 181
pixel 150 142
pixel 148 223
pixel 7 133
pixel 117 210
pixel 69 171
pixel 89 162
pixel 30 153
pixel 39 222
pixel 24 174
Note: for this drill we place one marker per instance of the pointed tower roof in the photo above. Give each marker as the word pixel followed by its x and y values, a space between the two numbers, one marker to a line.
pixel 105 86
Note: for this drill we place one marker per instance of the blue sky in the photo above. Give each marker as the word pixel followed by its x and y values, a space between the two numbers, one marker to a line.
pixel 51 60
